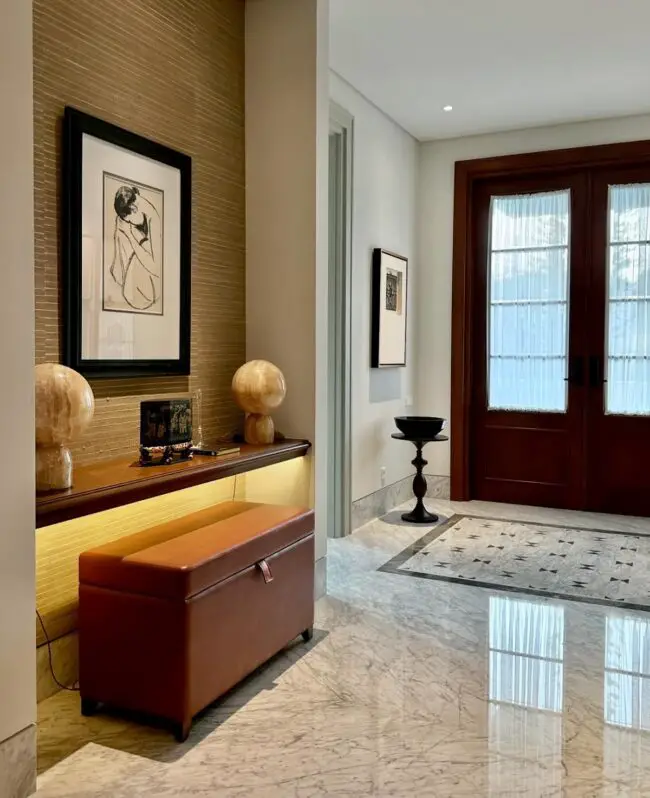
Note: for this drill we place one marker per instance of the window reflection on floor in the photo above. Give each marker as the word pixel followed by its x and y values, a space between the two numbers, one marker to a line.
pixel 627 672
pixel 526 681
pixel 526 653
pixel 626 706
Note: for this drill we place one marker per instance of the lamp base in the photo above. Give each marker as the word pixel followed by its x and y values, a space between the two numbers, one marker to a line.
pixel 259 429
pixel 53 468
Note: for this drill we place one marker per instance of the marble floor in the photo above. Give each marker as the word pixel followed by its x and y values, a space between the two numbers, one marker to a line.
pixel 411 687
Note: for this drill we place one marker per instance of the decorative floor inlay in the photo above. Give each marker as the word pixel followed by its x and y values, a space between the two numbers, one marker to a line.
pixel 588 565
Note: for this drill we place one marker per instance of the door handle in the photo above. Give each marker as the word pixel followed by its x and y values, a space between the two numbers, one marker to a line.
pixel 596 374
pixel 576 374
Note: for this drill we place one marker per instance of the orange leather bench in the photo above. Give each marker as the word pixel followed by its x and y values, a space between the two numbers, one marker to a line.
pixel 174 616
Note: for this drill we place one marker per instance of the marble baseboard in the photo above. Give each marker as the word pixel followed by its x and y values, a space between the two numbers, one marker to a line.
pixel 438 487
pixel 65 661
pixel 381 501
pixel 18 764
pixel 320 578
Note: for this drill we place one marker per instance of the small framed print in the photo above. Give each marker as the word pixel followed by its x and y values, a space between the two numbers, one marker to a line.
pixel 389 296
pixel 126 251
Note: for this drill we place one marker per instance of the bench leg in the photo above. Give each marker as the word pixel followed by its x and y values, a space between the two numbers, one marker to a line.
pixel 181 730
pixel 308 634
pixel 89 707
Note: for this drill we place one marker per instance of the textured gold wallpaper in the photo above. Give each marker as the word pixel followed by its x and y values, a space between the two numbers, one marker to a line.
pixel 171 70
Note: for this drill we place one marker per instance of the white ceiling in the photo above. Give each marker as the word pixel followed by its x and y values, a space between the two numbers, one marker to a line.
pixel 502 64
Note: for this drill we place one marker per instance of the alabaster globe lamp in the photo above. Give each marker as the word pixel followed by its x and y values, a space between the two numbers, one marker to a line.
pixel 259 387
pixel 64 408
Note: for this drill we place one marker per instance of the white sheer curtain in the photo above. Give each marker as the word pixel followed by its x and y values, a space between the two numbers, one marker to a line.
pixel 528 301
pixel 526 653
pixel 627 672
pixel 628 350
pixel 526 641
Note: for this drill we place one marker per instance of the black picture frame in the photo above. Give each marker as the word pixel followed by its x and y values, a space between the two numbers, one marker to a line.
pixel 77 124
pixel 376 300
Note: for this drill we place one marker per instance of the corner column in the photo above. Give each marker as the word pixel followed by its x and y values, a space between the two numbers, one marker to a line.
pixel 17 581
pixel 287 124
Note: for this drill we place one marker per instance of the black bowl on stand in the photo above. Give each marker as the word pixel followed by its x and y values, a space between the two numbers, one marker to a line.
pixel 420 427
pixel 420 430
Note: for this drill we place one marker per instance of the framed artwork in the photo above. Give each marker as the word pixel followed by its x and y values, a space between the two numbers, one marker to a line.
pixel 389 295
pixel 126 251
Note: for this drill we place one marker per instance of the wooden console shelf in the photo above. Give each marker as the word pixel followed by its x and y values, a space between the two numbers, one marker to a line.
pixel 117 482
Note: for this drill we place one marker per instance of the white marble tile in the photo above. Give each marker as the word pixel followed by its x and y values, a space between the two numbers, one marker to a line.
pixel 411 687
pixel 18 764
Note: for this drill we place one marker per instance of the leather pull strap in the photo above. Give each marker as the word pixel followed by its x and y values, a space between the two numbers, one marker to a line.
pixel 266 571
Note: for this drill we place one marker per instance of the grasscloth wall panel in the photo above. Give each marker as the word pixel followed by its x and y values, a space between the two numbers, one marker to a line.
pixel 171 70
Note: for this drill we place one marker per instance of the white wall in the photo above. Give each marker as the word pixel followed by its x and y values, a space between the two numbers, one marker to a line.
pixel 17 588
pixel 384 215
pixel 287 112
pixel 436 198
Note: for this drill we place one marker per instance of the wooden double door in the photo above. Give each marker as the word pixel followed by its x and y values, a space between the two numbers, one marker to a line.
pixel 560 399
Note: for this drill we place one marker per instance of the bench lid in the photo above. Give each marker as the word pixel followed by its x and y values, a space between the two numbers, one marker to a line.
pixel 180 559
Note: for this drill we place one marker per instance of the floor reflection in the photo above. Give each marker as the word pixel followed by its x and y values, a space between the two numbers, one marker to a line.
pixel 627 672
pixel 526 688
pixel 626 699
pixel 526 641
pixel 526 692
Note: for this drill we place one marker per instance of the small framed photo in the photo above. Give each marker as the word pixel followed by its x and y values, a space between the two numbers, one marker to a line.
pixel 126 251
pixel 165 422
pixel 389 297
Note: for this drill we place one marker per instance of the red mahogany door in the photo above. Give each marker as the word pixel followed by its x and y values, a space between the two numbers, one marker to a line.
pixel 529 376
pixel 618 420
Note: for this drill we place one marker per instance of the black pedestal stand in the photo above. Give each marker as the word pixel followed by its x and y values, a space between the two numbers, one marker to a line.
pixel 419 514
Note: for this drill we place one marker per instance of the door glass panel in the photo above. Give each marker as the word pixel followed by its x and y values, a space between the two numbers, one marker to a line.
pixel 528 302
pixel 628 340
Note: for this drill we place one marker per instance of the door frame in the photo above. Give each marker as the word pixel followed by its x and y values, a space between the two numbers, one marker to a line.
pixel 341 127
pixel 468 176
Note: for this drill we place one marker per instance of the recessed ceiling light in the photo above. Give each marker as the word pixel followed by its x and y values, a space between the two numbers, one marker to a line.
pixel 448 108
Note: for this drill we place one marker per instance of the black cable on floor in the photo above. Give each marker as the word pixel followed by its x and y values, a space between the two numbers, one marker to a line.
pixel 49 656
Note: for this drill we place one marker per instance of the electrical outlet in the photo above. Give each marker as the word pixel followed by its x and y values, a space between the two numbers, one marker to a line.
pixel 409 401
pixel 382 475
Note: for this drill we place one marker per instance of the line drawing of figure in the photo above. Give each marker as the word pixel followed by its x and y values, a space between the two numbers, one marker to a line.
pixel 136 265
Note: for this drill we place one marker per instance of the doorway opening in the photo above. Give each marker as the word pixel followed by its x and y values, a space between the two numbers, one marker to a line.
pixel 338 321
